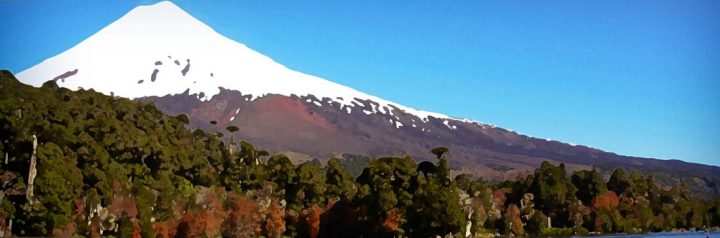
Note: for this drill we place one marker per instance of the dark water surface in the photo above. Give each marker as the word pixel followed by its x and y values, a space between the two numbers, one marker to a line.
pixel 670 235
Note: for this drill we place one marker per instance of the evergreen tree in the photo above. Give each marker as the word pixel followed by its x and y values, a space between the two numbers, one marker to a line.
pixel 589 184
pixel 553 192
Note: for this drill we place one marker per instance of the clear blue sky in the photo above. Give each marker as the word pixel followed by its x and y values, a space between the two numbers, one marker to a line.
pixel 637 78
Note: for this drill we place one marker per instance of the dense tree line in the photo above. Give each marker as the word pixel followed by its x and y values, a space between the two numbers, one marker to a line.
pixel 112 166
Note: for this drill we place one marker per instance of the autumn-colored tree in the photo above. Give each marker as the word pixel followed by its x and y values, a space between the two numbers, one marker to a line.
pixel 275 221
pixel 311 220
pixel 479 215
pixel 165 229
pixel 191 224
pixel 243 217
pixel 607 218
pixel 606 201
pixel 513 223
pixel 393 220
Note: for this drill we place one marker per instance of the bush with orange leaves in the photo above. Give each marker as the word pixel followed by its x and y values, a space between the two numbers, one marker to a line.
pixel 275 221
pixel 393 220
pixel 207 221
pixel 607 201
pixel 195 224
pixel 513 224
pixel 165 229
pixel 310 220
pixel 243 217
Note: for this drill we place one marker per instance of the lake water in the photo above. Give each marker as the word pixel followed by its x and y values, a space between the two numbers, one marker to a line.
pixel 669 235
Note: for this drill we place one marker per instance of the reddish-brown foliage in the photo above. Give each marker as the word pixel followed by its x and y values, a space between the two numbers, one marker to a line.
pixel 499 195
pixel 243 219
pixel 512 220
pixel 607 201
pixel 117 186
pixel 95 226
pixel 311 218
pixel 124 206
pixel 207 222
pixel 392 221
pixel 136 232
pixel 479 209
pixel 4 225
pixel 79 207
pixel 66 230
pixel 192 224
pixel 165 229
pixel 275 222
pixel 216 215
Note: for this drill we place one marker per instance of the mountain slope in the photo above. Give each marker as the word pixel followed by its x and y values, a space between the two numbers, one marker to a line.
pixel 160 49
pixel 324 128
pixel 162 54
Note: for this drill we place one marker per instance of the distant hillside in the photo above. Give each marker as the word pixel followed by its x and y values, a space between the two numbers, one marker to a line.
pixel 322 128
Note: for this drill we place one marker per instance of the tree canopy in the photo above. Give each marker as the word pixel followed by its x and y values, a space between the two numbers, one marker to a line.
pixel 113 166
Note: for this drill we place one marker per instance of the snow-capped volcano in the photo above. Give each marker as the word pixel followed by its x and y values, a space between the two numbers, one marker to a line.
pixel 160 49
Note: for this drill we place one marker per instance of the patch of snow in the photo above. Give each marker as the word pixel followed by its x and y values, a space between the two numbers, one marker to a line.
pixel 318 104
pixel 398 125
pixel 385 110
pixel 349 110
pixel 232 118
pixel 447 124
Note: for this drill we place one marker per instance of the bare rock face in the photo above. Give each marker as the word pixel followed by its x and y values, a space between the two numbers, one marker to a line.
pixel 65 75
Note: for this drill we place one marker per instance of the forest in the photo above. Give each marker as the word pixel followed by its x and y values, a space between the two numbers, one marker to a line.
pixel 80 163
